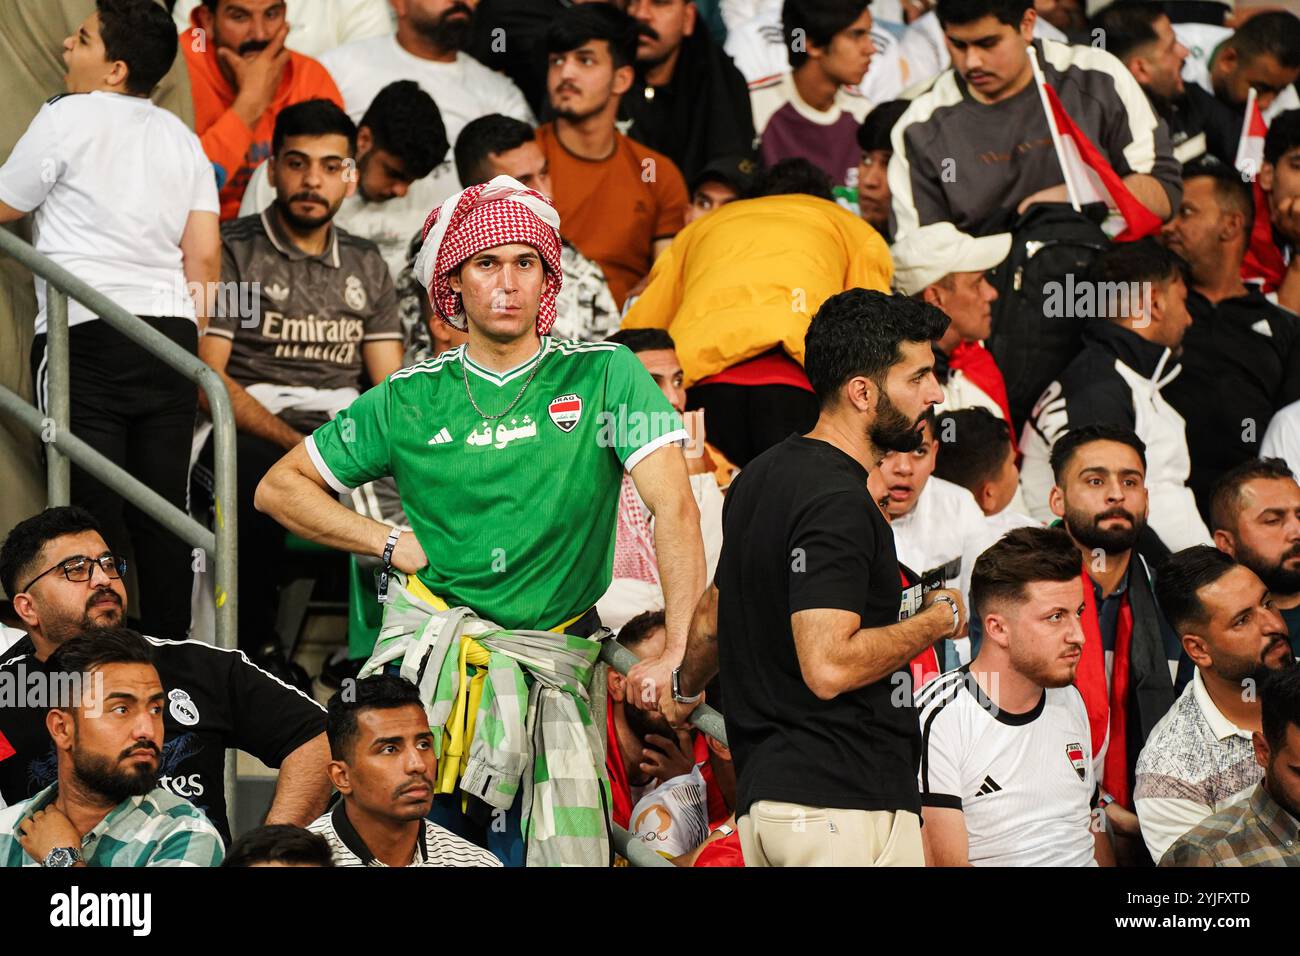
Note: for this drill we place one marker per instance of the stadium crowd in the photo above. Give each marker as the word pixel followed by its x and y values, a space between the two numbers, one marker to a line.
pixel 916 382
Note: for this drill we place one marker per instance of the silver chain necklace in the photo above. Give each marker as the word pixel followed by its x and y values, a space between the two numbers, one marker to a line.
pixel 464 370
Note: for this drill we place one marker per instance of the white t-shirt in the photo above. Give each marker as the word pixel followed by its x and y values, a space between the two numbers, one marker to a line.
pixel 464 89
pixel 758 49
pixel 113 180
pixel 318 26
pixel 1024 782
pixel 1282 439
pixel 942 534
pixel 673 818
pixel 1201 40
pixel 994 527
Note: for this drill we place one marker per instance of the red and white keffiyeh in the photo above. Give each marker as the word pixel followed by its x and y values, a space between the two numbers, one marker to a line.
pixel 494 213
pixel 634 543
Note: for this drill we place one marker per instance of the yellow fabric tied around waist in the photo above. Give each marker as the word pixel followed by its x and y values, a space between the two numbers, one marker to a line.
pixel 460 725
pixel 417 587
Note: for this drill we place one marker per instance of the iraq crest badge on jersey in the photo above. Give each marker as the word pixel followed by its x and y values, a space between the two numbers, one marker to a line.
pixel 1077 760
pixel 565 412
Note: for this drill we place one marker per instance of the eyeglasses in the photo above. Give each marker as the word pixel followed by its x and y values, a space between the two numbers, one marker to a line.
pixel 80 568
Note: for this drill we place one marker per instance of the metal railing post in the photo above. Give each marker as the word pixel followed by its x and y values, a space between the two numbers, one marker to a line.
pixel 704 717
pixel 219 547
pixel 58 399
pixel 226 509
pixel 636 852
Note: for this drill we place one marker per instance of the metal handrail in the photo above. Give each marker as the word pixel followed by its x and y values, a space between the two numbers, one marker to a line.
pixel 704 718
pixel 61 445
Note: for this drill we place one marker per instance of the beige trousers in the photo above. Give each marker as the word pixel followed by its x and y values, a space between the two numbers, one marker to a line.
pixel 787 834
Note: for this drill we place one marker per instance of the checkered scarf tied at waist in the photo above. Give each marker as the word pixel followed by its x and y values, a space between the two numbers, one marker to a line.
pixel 494 213
pixel 531 735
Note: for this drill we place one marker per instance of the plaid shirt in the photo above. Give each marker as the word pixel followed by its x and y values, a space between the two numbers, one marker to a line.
pixel 158 829
pixel 1256 832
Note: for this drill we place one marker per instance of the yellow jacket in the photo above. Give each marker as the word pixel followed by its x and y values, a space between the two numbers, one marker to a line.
pixel 749 277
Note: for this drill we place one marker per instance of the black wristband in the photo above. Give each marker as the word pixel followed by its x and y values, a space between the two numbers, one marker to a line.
pixel 389 546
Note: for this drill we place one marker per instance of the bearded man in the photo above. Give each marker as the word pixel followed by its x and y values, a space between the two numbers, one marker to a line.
pixel 1255 513
pixel 1130 654
pixel 306 312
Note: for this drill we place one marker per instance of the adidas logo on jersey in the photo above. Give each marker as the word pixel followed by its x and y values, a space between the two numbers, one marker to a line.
pixel 442 438
pixel 989 786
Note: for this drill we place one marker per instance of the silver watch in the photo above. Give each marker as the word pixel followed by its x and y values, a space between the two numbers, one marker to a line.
pixel 956 615
pixel 677 689
pixel 63 856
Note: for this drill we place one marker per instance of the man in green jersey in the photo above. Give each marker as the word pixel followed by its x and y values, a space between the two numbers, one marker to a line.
pixel 508 451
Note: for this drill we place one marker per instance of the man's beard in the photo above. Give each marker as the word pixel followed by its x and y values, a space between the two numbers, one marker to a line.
pixel 58 632
pixel 443 31
pixel 1277 577
pixel 643 724
pixel 1084 528
pixel 892 430
pixel 101 775
pixel 1238 671
pixel 576 116
pixel 1041 672
pixel 305 223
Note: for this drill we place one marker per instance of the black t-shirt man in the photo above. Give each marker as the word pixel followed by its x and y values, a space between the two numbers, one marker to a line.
pixel 801 532
pixel 216 700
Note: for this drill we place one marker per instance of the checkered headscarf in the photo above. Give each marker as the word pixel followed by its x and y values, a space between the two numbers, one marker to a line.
pixel 490 214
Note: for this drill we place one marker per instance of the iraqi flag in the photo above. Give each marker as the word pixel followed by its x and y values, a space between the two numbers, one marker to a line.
pixel 1088 176
pixel 1263 262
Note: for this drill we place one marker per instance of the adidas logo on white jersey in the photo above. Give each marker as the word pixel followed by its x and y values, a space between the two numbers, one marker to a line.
pixel 442 438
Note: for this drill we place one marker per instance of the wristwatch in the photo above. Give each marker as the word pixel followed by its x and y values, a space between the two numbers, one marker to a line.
pixel 63 856
pixel 956 615
pixel 678 696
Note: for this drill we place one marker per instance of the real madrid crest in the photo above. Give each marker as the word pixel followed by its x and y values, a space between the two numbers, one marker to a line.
pixel 183 708
pixel 354 294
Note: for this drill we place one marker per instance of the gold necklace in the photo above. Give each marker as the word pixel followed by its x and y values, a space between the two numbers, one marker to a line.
pixel 464 371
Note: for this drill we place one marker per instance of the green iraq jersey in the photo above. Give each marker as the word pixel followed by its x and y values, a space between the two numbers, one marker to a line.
pixel 516 514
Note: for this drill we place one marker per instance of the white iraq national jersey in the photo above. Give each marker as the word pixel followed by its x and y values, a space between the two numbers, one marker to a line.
pixel 1024 782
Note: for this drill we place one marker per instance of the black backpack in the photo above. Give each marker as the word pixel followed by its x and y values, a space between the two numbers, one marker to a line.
pixel 1050 241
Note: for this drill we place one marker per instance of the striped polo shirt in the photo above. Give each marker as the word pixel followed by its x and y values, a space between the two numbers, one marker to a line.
pixel 435 846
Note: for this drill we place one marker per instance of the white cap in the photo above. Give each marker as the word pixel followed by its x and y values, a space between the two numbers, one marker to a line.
pixel 927 254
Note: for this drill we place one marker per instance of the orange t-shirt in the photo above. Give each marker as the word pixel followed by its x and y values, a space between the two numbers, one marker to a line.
pixel 614 209
pixel 236 150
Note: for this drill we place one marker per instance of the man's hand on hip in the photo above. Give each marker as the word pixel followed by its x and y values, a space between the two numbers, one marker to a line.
pixel 408 556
